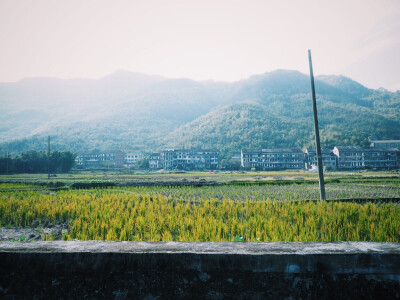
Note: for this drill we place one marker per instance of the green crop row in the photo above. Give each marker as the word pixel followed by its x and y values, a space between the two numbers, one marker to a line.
pixel 260 193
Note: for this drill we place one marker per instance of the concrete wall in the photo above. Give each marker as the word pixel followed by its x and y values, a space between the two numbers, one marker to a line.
pixel 125 270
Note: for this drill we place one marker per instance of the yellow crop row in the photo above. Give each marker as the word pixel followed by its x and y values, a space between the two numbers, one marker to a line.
pixel 115 215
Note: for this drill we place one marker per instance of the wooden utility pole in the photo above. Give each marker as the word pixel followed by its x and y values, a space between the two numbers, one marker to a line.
pixel 48 157
pixel 318 145
pixel 7 157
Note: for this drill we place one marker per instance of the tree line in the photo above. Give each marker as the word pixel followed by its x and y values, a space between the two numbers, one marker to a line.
pixel 38 162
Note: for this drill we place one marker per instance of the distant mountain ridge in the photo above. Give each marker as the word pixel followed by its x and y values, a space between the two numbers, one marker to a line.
pixel 134 111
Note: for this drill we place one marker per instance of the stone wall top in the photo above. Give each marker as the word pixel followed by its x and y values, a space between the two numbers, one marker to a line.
pixel 272 248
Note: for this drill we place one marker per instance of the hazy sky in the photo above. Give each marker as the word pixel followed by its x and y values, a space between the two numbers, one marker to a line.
pixel 221 40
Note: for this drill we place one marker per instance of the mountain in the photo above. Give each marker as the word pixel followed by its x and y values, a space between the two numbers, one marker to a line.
pixel 133 111
pixel 346 85
pixel 281 122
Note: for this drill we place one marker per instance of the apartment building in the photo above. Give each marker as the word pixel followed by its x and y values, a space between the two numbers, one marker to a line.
pixel 107 158
pixel 132 157
pixel 341 157
pixel 155 161
pixel 186 159
pixel 272 159
pixel 329 159
pixel 381 158
pixel 234 161
pixel 354 157
pixel 385 144
pixel 349 157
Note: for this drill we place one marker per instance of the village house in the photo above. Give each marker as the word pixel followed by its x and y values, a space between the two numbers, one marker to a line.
pixel 381 158
pixel 234 161
pixel 385 144
pixel 349 157
pixel 186 159
pixel 354 157
pixel 97 159
pixel 341 157
pixel 272 159
pixel 132 157
pixel 329 159
pixel 155 162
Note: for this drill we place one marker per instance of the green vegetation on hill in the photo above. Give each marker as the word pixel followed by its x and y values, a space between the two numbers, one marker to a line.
pixel 138 112
pixel 282 122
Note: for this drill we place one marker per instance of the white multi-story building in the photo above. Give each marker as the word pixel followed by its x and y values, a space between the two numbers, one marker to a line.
pixel 381 158
pixel 328 158
pixel 272 159
pixel 186 159
pixel 349 157
pixel 132 157
pixel 107 158
pixel 155 162
pixel 354 157
pixel 385 144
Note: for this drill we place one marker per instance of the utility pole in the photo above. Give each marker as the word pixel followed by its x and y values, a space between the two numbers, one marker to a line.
pixel 48 157
pixel 317 142
pixel 7 156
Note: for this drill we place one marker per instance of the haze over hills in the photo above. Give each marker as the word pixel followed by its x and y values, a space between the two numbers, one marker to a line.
pixel 133 111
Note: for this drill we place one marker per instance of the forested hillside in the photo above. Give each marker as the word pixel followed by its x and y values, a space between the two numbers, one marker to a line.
pixel 131 111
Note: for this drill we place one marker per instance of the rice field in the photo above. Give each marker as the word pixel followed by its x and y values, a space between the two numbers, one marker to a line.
pixel 209 213
pixel 293 192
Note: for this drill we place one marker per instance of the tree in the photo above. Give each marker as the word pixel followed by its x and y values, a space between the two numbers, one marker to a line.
pixel 143 164
pixel 38 162
pixel 62 161
pixel 68 161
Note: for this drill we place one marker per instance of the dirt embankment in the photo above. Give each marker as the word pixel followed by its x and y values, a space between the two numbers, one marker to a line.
pixel 34 233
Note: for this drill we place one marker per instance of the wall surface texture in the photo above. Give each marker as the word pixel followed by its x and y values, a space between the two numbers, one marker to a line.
pixel 171 270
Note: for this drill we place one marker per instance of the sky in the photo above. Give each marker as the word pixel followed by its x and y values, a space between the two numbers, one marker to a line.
pixel 225 40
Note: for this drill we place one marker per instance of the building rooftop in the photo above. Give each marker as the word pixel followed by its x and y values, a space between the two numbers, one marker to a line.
pixel 349 148
pixel 274 150
pixel 193 151
pixel 385 141
pixel 323 150
pixel 381 150
pixel 100 152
